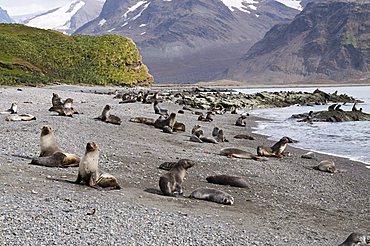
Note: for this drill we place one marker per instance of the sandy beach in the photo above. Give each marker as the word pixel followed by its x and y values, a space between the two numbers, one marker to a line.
pixel 287 202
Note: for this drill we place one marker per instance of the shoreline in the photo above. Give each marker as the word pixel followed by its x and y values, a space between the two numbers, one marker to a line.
pixel 287 202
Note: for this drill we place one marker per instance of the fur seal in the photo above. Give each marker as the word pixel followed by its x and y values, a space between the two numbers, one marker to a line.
pixel 215 131
pixel 108 181
pixel 169 121
pixel 356 238
pixel 195 128
pixel 12 110
pixel 354 107
pixel 88 170
pixel 57 159
pixel 220 138
pixel 170 183
pixel 238 153
pixel 48 143
pixel 241 121
pixel 167 165
pixel 158 109
pixel 107 117
pixel 56 100
pixel 277 150
pixel 244 136
pixel 207 118
pixel 328 166
pixel 64 109
pixel 20 117
pixel 235 181
pixel 143 120
pixel 179 127
pixel 309 155
pixel 212 195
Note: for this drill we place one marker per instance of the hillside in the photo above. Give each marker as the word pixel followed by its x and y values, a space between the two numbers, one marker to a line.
pixel 32 56
pixel 189 41
pixel 326 41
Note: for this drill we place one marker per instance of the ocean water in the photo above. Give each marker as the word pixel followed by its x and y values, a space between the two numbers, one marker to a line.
pixel 345 139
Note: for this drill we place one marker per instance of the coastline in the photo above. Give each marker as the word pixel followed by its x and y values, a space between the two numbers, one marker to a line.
pixel 287 202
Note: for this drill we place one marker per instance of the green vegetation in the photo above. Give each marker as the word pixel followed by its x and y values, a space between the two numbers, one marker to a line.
pixel 35 56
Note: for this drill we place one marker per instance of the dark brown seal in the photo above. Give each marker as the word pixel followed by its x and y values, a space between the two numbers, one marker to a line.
pixel 169 121
pixel 235 181
pixel 170 183
pixel 144 120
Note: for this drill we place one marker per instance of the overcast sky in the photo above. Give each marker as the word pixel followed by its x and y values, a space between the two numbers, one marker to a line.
pixel 22 7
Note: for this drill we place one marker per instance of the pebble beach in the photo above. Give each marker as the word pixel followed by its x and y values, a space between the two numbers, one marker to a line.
pixel 287 202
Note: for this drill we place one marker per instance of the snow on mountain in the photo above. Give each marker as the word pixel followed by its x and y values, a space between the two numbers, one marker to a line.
pixel 58 19
pixel 247 5
pixel 68 17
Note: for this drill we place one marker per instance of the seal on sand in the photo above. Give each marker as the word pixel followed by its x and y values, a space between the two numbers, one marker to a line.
pixel 13 109
pixel 241 121
pixel 238 153
pixel 212 195
pixel 20 117
pixel 107 117
pixel 108 181
pixel 277 150
pixel 235 181
pixel 244 136
pixel 158 109
pixel 88 171
pixel 144 120
pixel 169 121
pixel 48 143
pixel 58 159
pixel 328 166
pixel 170 183
pixel 356 238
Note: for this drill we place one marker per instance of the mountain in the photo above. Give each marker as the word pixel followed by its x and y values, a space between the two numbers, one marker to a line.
pixel 69 17
pixel 4 17
pixel 36 56
pixel 328 40
pixel 191 40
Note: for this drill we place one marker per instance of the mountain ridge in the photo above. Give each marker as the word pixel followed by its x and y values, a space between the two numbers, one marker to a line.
pixel 328 41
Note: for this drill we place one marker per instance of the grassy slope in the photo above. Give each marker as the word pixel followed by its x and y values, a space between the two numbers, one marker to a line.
pixel 33 56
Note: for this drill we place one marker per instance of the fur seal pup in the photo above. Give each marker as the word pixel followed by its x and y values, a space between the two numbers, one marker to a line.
pixel 328 166
pixel 215 131
pixel 107 117
pixel 244 136
pixel 220 138
pixel 354 107
pixel 277 150
pixel 238 153
pixel 57 159
pixel 179 127
pixel 235 181
pixel 88 170
pixel 207 118
pixel 12 110
pixel 48 143
pixel 143 120
pixel 20 117
pixel 167 165
pixel 356 238
pixel 158 109
pixel 108 181
pixel 309 155
pixel 65 109
pixel 167 129
pixel 169 121
pixel 170 183
pixel 195 128
pixel 241 121
pixel 212 195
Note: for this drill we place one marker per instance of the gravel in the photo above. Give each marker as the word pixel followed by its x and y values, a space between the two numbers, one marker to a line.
pixel 288 203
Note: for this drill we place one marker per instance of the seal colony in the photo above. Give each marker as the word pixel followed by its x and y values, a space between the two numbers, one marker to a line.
pixel 176 146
